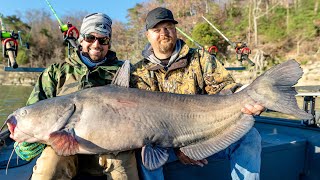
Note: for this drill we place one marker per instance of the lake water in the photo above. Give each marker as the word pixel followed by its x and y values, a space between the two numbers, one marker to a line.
pixel 14 97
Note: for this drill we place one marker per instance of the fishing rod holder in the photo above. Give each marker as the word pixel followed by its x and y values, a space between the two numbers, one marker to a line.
pixel 309 106
pixel 10 44
pixel 72 33
pixel 213 50
pixel 70 37
pixel 243 52
pixel 13 48
pixel 6 34
pixel 9 40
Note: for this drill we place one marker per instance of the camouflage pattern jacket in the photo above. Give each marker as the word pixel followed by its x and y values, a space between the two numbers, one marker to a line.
pixel 73 75
pixel 193 72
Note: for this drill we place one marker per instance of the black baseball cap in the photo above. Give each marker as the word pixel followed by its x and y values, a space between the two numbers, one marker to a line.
pixel 157 15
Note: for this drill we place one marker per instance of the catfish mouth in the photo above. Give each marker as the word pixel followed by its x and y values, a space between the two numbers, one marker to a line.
pixel 12 123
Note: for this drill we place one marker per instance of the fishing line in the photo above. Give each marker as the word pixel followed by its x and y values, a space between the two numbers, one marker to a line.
pixel 4 123
pixel 14 148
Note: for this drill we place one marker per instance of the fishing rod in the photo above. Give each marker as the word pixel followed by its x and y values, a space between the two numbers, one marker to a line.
pixel 9 44
pixel 70 32
pixel 213 55
pixel 241 48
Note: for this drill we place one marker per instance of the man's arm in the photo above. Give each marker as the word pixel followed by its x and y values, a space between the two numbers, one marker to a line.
pixel 45 87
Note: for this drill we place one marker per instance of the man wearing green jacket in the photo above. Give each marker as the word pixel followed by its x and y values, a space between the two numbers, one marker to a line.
pixel 93 65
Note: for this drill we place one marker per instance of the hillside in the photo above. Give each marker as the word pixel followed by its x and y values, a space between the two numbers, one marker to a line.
pixel 274 30
pixel 311 76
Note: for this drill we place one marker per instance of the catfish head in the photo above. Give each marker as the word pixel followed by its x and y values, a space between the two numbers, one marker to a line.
pixel 34 123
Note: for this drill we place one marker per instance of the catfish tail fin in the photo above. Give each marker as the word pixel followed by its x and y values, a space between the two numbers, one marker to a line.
pixel 274 89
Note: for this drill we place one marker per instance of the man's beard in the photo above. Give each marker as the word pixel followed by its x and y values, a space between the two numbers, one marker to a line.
pixel 166 45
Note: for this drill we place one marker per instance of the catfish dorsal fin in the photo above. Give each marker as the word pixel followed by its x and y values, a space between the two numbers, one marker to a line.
pixel 64 143
pixel 217 143
pixel 122 76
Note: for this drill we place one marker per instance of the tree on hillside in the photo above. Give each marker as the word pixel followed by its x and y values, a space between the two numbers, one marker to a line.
pixel 258 13
pixel 46 42
pixel 121 42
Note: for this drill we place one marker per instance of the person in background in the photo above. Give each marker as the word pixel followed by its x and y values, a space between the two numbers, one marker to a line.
pixel 93 64
pixel 169 65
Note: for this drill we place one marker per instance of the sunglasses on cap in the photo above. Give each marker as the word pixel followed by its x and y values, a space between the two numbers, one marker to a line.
pixel 91 39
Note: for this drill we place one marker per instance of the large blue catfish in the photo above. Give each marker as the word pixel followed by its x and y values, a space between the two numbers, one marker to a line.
pixel 111 119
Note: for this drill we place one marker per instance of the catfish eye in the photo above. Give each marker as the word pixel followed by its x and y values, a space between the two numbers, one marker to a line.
pixel 23 113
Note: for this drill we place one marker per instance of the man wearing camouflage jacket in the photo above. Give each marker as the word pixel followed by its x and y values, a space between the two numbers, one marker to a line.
pixel 169 65
pixel 94 65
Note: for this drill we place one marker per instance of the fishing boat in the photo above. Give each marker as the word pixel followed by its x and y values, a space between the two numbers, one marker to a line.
pixel 290 150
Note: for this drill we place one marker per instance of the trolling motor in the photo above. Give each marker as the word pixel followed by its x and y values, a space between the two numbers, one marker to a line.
pixel 70 32
pixel 9 45
pixel 241 48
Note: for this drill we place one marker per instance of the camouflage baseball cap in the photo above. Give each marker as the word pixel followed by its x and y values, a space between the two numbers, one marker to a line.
pixel 158 15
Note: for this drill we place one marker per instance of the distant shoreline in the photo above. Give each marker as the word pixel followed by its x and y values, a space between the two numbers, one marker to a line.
pixel 311 77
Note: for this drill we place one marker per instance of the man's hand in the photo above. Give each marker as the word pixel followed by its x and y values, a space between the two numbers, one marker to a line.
pixel 255 109
pixel 186 160
pixel 250 109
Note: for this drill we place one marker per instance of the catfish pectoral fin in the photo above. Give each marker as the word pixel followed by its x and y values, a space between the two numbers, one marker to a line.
pixel 63 143
pixel 154 157
pixel 216 143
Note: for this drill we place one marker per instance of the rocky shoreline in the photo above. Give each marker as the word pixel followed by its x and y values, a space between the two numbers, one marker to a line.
pixel 18 78
pixel 311 76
